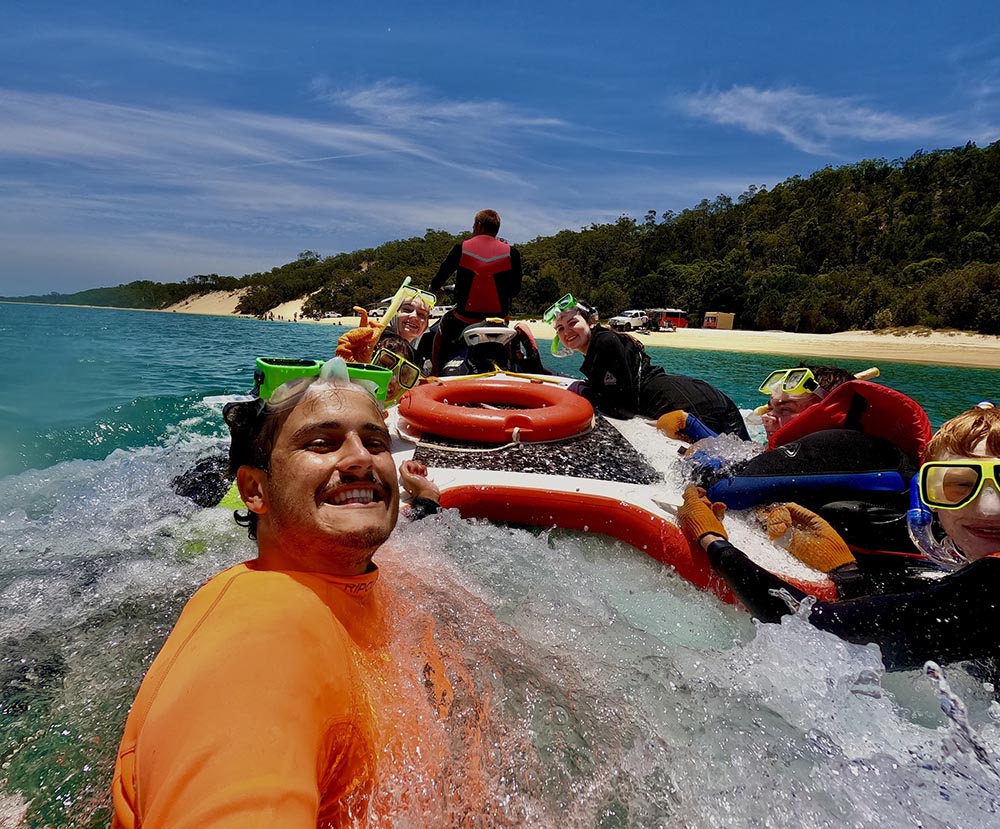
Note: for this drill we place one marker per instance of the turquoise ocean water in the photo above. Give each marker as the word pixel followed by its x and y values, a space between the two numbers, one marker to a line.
pixel 632 699
pixel 82 382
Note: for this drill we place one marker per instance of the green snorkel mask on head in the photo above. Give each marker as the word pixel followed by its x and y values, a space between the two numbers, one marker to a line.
pixel 567 302
pixel 273 372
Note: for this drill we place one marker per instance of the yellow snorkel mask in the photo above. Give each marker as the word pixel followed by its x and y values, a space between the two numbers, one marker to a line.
pixel 794 381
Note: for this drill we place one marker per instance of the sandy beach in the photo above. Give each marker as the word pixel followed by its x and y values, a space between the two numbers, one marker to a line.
pixel 944 348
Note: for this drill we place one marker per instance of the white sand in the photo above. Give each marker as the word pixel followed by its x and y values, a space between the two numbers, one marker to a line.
pixel 947 348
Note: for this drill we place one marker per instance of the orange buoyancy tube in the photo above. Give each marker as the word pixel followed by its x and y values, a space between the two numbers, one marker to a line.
pixel 544 412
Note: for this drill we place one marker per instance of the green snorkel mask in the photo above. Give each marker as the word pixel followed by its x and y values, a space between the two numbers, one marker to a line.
pixel 272 372
pixel 567 302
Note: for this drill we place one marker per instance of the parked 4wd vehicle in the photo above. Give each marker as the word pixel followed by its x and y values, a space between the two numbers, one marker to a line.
pixel 627 320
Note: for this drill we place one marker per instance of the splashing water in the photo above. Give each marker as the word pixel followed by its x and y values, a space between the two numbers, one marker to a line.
pixel 590 685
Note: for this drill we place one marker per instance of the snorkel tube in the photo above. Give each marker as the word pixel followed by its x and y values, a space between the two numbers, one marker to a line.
pixel 920 526
pixel 393 308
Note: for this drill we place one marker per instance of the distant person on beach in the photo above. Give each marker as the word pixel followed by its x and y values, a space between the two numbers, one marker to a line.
pixel 262 707
pixel 951 618
pixel 621 380
pixel 487 275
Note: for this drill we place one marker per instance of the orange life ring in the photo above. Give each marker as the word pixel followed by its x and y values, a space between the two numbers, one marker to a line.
pixel 545 412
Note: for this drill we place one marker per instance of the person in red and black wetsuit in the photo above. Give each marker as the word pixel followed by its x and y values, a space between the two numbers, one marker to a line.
pixel 487 277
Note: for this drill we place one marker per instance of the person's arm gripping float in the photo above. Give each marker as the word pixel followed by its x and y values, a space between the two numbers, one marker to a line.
pixel 245 717
pixel 679 425
pixel 953 619
pixel 426 495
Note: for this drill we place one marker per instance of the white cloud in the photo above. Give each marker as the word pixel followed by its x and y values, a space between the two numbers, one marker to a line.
pixel 111 41
pixel 412 107
pixel 73 168
pixel 812 123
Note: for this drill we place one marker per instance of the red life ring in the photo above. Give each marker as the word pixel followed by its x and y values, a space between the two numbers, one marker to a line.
pixel 545 412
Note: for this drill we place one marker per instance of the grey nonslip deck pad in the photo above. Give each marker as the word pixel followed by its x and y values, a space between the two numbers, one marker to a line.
pixel 602 454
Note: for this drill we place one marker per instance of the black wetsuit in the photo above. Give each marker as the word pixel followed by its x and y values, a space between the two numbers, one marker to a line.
pixel 952 619
pixel 622 383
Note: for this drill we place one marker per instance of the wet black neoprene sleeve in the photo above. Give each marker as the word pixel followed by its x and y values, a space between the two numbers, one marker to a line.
pixel 954 619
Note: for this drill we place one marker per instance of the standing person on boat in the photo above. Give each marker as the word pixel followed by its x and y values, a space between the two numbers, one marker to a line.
pixel 948 619
pixel 487 277
pixel 622 382
pixel 262 707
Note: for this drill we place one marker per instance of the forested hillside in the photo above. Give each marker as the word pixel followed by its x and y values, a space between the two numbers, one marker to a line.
pixel 869 245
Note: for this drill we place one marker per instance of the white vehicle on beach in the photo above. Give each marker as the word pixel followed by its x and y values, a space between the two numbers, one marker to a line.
pixel 627 320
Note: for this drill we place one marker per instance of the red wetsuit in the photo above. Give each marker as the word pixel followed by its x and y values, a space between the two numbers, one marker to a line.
pixel 487 277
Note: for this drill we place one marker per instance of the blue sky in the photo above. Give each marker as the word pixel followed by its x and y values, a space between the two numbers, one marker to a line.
pixel 156 141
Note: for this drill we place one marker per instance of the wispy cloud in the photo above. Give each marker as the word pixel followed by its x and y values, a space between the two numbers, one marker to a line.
pixel 413 107
pixel 119 41
pixel 976 69
pixel 355 175
pixel 812 123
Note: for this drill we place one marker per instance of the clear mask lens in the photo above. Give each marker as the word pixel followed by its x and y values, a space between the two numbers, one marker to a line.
pixel 955 484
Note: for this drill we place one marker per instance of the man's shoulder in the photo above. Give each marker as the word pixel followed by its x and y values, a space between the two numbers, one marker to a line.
pixel 261 595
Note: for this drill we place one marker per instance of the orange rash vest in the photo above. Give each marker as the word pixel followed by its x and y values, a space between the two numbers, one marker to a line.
pixel 254 713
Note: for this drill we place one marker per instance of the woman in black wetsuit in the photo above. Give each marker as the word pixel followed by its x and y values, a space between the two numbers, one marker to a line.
pixel 622 382
pixel 950 619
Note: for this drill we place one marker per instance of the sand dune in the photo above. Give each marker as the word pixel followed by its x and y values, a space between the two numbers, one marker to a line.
pixel 947 348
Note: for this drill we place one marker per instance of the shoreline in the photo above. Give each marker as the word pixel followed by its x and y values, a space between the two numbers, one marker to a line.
pixel 942 348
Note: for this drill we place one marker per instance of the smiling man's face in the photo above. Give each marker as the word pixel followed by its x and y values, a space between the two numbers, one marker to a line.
pixel 330 497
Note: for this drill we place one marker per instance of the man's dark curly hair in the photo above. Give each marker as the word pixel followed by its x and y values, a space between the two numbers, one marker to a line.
pixel 253 426
pixel 829 377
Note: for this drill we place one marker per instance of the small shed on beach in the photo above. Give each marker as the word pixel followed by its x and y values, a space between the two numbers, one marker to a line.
pixel 719 319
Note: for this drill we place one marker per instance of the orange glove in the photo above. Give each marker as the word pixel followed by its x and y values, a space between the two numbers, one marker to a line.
pixel 358 344
pixel 698 517
pixel 806 536
pixel 672 425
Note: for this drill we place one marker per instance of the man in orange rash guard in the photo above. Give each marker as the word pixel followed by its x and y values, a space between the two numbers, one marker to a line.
pixel 257 710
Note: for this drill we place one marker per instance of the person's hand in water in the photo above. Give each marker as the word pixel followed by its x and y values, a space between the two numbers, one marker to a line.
pixel 806 536
pixel 358 344
pixel 413 475
pixel 699 518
